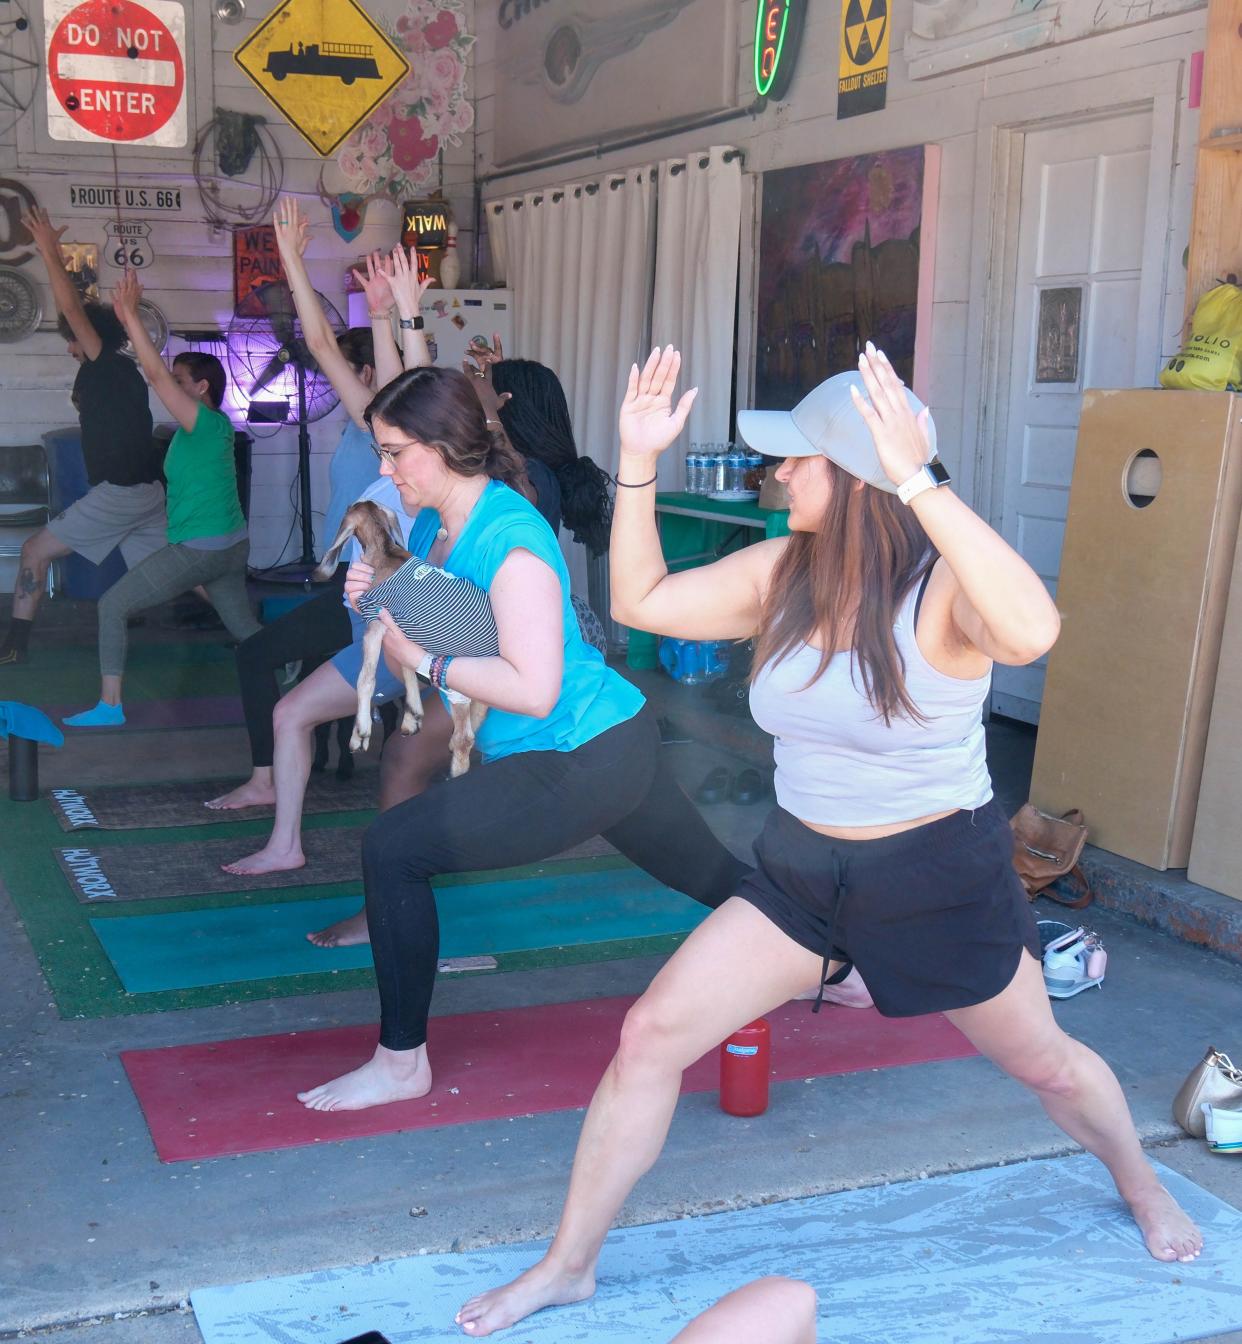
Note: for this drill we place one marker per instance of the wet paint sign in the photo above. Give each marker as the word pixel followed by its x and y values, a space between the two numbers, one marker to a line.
pixel 256 261
pixel 116 71
pixel 325 67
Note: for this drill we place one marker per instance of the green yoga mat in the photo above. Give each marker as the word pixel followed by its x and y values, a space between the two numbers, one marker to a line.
pixel 262 942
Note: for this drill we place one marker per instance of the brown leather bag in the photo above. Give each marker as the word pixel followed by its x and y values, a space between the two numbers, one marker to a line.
pixel 1047 848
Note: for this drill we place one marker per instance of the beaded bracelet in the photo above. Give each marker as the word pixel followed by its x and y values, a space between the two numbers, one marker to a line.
pixel 439 670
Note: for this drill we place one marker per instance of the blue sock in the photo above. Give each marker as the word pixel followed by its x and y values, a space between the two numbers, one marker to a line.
pixel 102 716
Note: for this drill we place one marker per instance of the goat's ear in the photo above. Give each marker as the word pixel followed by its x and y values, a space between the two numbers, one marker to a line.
pixel 328 564
pixel 392 523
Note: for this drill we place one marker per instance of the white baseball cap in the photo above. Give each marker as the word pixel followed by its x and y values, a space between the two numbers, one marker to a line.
pixel 825 421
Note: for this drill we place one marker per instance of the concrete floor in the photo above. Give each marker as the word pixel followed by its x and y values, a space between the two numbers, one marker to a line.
pixel 102 1245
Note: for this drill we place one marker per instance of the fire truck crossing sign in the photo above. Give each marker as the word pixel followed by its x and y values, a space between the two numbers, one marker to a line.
pixel 326 66
pixel 116 71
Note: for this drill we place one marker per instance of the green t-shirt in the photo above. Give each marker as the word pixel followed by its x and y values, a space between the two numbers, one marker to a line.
pixel 202 480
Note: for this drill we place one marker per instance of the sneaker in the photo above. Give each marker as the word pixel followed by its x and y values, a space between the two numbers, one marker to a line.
pixel 10 657
pixel 1073 960
pixel 1224 1128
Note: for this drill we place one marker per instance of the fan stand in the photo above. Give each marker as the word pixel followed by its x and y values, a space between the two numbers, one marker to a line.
pixel 300 570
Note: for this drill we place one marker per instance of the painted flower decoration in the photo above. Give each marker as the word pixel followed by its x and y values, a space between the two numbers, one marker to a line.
pixel 395 150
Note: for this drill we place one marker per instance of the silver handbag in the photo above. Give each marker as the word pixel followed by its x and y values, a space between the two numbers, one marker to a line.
pixel 1215 1080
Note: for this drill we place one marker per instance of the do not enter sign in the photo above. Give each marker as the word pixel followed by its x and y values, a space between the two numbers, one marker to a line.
pixel 116 71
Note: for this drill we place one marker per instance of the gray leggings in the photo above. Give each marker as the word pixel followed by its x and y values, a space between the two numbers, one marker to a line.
pixel 165 575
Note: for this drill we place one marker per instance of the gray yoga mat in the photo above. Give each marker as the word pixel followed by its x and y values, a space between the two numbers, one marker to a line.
pixel 99 873
pixel 136 807
pixel 1041 1251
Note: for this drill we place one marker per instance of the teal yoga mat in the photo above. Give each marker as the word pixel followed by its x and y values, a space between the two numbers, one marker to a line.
pixel 261 942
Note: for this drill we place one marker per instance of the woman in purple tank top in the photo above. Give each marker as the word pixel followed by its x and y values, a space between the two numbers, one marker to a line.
pixel 895 857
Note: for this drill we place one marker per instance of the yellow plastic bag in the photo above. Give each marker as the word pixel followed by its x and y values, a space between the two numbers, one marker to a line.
pixel 1211 358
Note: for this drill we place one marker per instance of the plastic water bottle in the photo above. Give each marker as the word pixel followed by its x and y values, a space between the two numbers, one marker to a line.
pixel 694 472
pixel 745 1068
pixel 735 471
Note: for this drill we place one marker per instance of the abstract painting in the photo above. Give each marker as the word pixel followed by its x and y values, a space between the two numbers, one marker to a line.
pixel 838 266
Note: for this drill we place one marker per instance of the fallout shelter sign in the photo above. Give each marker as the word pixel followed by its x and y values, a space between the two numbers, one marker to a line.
pixel 325 64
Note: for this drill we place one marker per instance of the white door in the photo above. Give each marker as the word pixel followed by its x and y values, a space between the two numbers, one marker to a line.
pixel 1079 311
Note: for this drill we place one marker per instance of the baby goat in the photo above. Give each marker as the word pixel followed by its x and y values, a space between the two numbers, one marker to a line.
pixel 442 613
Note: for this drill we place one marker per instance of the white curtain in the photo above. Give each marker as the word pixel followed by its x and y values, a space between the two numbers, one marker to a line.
pixel 695 296
pixel 596 279
pixel 579 261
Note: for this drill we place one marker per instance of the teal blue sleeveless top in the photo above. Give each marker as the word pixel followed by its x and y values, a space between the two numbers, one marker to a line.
pixel 593 697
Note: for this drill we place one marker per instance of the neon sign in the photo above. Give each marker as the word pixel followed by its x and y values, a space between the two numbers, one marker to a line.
pixel 778 33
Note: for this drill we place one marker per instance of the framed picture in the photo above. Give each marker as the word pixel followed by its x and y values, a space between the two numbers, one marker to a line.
pixel 845 257
pixel 1056 337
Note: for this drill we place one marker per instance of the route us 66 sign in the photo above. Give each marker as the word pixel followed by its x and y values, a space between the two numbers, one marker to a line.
pixel 127 244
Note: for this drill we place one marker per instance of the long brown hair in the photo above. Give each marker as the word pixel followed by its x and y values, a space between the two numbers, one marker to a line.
pixel 856 568
pixel 438 407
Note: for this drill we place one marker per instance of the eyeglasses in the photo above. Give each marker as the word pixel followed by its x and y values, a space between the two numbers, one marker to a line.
pixel 388 455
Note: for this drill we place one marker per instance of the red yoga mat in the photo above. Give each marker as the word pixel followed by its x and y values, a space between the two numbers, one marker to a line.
pixel 231 1097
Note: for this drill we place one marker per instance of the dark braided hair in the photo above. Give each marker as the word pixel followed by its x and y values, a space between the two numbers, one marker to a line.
pixel 536 419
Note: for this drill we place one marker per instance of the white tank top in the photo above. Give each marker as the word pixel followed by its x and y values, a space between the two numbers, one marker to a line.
pixel 838 764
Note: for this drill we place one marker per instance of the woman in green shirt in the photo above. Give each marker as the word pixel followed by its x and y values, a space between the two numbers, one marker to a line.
pixel 207 542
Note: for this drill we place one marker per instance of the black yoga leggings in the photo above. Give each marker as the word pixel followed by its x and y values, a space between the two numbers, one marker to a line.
pixel 312 631
pixel 518 810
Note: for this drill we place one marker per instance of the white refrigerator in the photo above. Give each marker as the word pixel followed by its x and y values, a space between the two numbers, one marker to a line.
pixel 453 317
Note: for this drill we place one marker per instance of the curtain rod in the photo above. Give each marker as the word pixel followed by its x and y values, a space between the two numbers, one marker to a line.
pixel 597 151
pixel 751 110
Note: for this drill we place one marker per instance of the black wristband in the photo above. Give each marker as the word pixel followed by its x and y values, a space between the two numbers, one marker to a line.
pixel 410 323
pixel 635 485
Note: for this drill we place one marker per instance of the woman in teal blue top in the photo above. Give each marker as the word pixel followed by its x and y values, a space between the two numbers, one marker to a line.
pixel 570 748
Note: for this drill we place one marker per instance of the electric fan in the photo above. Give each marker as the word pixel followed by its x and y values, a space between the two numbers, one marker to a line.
pixel 272 365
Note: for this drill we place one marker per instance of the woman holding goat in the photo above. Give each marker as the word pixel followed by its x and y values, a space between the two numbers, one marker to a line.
pixel 570 749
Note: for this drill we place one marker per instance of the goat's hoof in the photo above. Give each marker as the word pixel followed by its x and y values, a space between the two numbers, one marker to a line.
pixel 359 741
pixel 411 725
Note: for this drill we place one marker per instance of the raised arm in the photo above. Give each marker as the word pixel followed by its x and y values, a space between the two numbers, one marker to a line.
pixel 717 601
pixel 374 282
pixel 407 292
pixel 180 405
pixel 65 293
pixel 1001 607
pixel 478 364
pixel 291 237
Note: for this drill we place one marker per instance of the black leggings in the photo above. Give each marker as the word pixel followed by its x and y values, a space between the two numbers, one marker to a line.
pixel 518 810
pixel 312 631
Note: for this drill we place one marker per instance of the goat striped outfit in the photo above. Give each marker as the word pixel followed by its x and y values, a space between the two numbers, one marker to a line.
pixel 443 613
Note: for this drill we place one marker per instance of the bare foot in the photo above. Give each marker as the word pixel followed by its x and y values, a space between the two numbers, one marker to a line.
pixel 250 794
pixel 1167 1229
pixel 541 1286
pixel 267 860
pixel 850 993
pixel 389 1075
pixel 344 933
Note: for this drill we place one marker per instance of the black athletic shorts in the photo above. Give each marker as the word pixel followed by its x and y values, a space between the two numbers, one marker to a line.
pixel 933 918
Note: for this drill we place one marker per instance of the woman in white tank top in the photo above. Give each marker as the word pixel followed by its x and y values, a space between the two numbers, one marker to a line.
pixel 872 666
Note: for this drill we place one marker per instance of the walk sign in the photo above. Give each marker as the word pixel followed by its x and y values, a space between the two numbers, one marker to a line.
pixel 116 71
pixel 325 64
